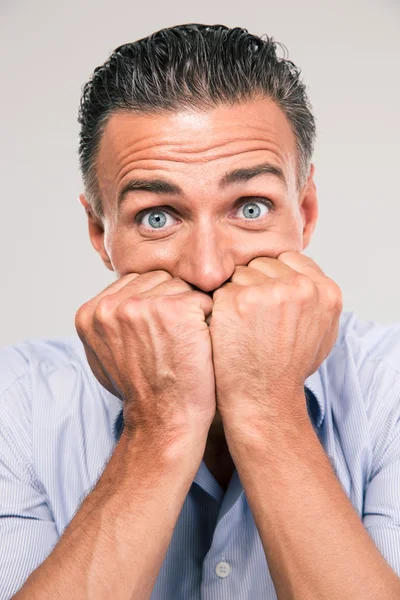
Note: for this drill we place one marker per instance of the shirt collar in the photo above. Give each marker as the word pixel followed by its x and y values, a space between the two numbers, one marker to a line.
pixel 315 397
pixel 119 425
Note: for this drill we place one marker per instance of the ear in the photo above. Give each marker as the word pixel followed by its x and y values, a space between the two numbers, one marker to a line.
pixel 96 232
pixel 308 205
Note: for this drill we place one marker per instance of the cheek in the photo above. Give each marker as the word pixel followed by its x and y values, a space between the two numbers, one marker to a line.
pixel 284 236
pixel 128 256
pixel 291 232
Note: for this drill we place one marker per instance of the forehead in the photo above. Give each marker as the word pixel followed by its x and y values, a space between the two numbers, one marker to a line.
pixel 190 142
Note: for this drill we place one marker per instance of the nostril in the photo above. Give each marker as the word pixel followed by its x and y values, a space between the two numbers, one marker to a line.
pixel 210 292
pixel 197 289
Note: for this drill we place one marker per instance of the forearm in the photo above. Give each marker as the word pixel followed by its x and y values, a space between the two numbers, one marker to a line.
pixel 315 543
pixel 115 545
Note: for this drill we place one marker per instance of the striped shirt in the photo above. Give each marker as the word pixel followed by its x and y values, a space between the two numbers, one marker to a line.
pixel 58 429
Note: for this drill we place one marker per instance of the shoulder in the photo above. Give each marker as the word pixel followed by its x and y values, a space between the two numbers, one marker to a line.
pixel 366 358
pixel 22 359
pixel 362 379
pixel 36 374
pixel 47 390
pixel 26 360
pixel 365 340
pixel 55 419
pixel 24 386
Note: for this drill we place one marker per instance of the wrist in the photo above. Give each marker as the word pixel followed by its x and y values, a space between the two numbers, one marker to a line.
pixel 166 446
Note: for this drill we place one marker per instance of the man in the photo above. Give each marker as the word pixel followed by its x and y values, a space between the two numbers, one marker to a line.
pixel 220 429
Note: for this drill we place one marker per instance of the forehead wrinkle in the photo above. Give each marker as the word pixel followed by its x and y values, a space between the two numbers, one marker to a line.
pixel 243 122
pixel 137 162
pixel 178 146
pixel 164 139
pixel 285 181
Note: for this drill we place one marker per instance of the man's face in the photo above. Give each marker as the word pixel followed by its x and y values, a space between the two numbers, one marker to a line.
pixel 204 223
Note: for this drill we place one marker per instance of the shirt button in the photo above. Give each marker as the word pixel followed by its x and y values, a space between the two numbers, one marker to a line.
pixel 223 569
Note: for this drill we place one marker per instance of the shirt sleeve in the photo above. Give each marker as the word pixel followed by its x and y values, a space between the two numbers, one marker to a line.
pixel 27 530
pixel 381 514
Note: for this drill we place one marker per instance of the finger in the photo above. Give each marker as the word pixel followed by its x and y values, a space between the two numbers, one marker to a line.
pixel 193 299
pixel 182 289
pixel 303 264
pixel 146 282
pixel 273 268
pixel 85 312
pixel 200 300
pixel 171 287
pixel 247 276
pixel 154 283
pixel 134 284
pixel 117 285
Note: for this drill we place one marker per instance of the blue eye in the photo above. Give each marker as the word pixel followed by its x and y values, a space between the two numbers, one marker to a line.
pixel 156 219
pixel 252 210
pixel 160 218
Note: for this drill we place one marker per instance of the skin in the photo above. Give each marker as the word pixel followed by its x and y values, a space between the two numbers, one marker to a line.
pixel 194 150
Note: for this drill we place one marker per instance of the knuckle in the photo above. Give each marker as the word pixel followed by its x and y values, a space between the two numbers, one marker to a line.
pixel 339 301
pixel 129 309
pixel 104 309
pixel 280 292
pixel 247 298
pixel 165 306
pixel 82 316
pixel 333 295
pixel 306 289
pixel 156 304
pixel 164 309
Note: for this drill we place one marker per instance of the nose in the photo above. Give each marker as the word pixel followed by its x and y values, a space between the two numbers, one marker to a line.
pixel 207 260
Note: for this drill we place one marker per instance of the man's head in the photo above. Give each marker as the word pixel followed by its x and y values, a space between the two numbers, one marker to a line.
pixel 195 150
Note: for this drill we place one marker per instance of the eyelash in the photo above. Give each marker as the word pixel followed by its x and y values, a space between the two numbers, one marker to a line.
pixel 168 210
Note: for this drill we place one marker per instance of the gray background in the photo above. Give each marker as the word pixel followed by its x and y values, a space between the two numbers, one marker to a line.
pixel 349 55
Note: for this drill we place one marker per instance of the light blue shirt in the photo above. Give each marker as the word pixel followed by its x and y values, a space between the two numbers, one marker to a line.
pixel 58 429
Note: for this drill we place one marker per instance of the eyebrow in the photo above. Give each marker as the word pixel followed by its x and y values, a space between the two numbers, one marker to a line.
pixel 164 187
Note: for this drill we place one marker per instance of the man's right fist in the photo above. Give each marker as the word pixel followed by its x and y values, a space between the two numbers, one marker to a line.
pixel 147 341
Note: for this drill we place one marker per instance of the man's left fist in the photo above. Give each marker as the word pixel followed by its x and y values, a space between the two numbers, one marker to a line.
pixel 271 328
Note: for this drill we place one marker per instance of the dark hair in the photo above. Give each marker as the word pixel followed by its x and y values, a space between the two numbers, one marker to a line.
pixel 191 66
